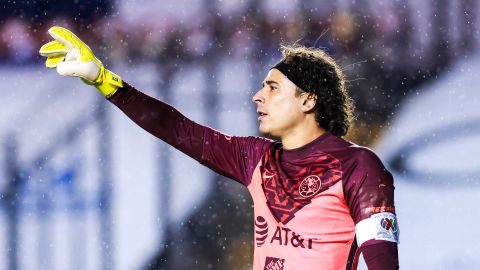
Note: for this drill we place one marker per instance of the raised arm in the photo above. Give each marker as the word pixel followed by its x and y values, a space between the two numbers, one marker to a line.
pixel 231 156
pixel 234 157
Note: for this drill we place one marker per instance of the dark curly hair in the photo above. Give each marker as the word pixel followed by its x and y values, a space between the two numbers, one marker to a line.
pixel 323 77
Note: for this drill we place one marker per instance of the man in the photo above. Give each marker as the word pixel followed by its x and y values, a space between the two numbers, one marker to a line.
pixel 318 199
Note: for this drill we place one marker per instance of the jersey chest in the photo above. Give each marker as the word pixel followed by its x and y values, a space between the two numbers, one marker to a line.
pixel 318 232
pixel 300 212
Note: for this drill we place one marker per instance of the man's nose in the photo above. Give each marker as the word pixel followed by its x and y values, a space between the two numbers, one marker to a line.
pixel 258 97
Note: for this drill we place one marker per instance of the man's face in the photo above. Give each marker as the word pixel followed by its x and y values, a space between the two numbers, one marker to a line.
pixel 278 107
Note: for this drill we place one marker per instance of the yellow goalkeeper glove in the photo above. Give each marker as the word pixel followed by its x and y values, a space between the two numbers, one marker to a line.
pixel 72 57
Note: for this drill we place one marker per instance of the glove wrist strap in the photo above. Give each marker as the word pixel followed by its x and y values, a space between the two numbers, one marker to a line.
pixel 108 82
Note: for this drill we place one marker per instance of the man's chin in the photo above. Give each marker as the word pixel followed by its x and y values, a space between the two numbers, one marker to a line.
pixel 266 133
pixel 263 131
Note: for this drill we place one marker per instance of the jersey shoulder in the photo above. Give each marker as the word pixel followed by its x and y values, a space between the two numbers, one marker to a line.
pixel 365 157
pixel 360 163
pixel 349 152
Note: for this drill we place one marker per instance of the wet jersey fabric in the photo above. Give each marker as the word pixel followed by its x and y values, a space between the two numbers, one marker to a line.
pixel 308 200
pixel 311 204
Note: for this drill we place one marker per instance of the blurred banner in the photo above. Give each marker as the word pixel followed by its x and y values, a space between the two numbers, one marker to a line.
pixel 432 149
pixel 54 207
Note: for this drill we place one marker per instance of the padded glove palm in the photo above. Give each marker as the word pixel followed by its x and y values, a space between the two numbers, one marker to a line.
pixel 71 57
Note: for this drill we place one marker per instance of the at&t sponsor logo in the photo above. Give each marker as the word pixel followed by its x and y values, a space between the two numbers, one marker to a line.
pixel 261 230
pixel 282 236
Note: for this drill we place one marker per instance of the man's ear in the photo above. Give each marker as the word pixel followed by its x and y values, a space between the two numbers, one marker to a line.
pixel 308 102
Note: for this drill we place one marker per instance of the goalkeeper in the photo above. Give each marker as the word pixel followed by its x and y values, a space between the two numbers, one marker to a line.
pixel 319 200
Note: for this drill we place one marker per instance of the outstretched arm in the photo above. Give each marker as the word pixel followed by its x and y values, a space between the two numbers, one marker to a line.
pixel 161 120
pixel 234 157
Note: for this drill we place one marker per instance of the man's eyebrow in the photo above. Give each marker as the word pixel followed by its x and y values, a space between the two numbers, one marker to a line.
pixel 270 83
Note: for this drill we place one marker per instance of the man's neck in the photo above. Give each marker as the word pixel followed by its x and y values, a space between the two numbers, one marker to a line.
pixel 299 139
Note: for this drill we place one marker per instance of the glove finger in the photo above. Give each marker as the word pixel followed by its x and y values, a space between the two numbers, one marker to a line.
pixel 52 61
pixel 66 37
pixel 88 70
pixel 53 48
pixel 73 55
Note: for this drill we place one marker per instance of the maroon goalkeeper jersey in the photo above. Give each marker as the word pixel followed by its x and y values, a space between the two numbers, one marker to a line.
pixel 314 206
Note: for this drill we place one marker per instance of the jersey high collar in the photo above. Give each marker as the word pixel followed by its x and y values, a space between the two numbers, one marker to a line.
pixel 303 151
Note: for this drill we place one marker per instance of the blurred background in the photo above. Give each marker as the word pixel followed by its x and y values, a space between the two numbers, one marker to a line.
pixel 82 187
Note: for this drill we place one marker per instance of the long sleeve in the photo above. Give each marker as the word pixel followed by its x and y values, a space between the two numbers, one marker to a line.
pixel 370 196
pixel 232 156
pixel 381 255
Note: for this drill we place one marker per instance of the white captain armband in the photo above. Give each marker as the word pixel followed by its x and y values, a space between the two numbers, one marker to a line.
pixel 381 226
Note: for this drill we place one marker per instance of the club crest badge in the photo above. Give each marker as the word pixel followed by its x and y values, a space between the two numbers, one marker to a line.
pixel 310 186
